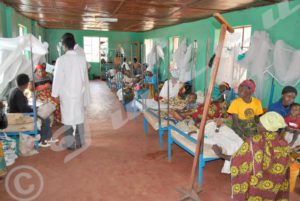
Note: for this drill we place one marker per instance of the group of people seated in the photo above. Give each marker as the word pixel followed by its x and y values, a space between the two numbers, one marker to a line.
pixel 265 138
pixel 20 100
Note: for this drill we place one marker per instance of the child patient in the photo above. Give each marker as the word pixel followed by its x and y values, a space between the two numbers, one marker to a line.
pixel 293 126
pixel 189 108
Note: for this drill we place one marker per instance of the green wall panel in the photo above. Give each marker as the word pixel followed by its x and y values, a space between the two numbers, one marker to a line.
pixel 53 36
pixel 281 21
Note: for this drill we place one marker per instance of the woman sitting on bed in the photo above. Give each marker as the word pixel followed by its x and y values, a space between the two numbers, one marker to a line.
pixel 260 168
pixel 43 88
pixel 245 110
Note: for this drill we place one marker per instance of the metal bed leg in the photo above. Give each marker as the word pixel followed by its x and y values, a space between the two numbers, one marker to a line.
pixel 134 111
pixel 170 142
pixel 145 126
pixel 201 166
pixel 161 132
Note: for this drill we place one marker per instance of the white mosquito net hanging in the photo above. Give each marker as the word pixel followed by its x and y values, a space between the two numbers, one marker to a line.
pixel 281 61
pixel 13 61
pixel 181 62
pixel 155 55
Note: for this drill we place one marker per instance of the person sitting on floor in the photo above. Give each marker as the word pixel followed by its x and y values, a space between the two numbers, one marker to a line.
pixel 245 110
pixel 18 103
pixel 260 168
pixel 282 106
pixel 293 126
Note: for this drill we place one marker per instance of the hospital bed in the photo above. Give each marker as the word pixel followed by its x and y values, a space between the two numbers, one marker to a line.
pixel 188 143
pixel 148 108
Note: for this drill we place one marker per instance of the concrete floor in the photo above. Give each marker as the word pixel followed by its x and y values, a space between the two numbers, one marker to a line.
pixel 119 164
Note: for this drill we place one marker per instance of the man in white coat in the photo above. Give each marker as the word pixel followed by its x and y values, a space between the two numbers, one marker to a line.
pixel 71 85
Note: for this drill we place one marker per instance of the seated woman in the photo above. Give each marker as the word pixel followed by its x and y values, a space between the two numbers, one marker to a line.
pixel 293 126
pixel 260 168
pixel 245 110
pixel 150 82
pixel 18 103
pixel 174 86
pixel 225 91
pixel 282 106
pixel 43 88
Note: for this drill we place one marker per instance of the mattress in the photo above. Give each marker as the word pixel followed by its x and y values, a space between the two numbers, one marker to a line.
pixel 191 146
pixel 153 120
pixel 19 123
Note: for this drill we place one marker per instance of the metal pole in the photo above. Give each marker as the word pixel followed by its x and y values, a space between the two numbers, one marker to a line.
pixel 224 28
pixel 157 82
pixel 195 47
pixel 190 193
pixel 168 121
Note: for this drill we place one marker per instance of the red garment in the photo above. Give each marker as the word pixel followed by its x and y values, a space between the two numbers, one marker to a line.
pixel 40 67
pixel 293 123
pixel 214 112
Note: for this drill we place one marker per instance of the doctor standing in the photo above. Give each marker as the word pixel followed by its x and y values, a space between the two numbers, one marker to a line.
pixel 71 85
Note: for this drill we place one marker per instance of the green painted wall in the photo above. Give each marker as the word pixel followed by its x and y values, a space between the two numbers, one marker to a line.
pixel 282 22
pixel 53 36
pixel 285 26
pixel 10 20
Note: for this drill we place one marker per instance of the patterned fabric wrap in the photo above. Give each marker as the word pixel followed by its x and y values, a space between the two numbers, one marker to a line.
pixel 260 169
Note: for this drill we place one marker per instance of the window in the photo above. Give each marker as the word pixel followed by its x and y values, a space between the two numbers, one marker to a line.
pixel 241 37
pixel 148 47
pixel 175 43
pixel 95 48
pixel 233 73
pixel 104 48
pixel 22 30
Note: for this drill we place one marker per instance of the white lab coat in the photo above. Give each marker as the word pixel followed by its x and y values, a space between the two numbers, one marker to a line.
pixel 174 89
pixel 80 51
pixel 125 65
pixel 71 85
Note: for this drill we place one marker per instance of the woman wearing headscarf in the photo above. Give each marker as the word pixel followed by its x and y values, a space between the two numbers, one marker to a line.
pixel 245 110
pixel 282 106
pixel 224 90
pixel 43 88
pixel 259 169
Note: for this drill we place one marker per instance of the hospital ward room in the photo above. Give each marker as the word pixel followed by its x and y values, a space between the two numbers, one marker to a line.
pixel 148 100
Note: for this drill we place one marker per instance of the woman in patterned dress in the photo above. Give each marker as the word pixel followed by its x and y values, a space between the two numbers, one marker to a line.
pixel 260 168
pixel 43 88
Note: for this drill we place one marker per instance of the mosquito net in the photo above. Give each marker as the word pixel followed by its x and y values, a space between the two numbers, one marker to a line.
pixel 14 59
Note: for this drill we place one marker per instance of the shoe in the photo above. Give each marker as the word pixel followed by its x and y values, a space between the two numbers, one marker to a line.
pixel 44 144
pixel 52 140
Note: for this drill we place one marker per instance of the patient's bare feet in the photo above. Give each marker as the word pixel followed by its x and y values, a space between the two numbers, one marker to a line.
pixel 218 150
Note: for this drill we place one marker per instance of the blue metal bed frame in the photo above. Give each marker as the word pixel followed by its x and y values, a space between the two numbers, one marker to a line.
pixel 32 132
pixel 161 130
pixel 202 160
